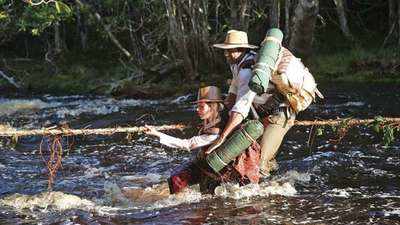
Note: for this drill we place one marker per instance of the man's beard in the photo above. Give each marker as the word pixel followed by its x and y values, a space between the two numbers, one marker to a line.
pixel 230 60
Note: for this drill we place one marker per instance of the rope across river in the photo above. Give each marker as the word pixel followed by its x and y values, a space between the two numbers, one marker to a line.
pixel 51 147
pixel 6 131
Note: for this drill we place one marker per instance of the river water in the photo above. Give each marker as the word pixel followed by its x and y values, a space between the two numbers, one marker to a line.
pixel 353 182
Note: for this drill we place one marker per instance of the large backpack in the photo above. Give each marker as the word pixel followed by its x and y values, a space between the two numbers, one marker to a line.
pixel 277 64
pixel 294 81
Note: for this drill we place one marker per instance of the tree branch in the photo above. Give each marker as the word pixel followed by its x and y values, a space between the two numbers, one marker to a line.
pixel 10 80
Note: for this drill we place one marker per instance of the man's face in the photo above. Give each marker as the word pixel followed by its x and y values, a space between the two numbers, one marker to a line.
pixel 232 55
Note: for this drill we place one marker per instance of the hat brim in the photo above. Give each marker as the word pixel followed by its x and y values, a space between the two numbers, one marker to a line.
pixel 232 46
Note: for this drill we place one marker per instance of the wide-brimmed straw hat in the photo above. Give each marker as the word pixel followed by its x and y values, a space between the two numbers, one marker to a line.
pixel 209 94
pixel 235 39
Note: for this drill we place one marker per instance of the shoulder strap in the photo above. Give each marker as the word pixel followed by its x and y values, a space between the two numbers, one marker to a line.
pixel 247 64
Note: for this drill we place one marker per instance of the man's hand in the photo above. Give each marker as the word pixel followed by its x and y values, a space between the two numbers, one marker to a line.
pixel 215 145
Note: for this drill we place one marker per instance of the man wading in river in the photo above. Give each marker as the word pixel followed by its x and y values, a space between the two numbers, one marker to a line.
pixel 271 106
pixel 243 170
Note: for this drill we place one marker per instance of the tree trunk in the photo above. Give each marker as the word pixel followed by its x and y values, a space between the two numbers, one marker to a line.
pixel 177 37
pixel 107 29
pixel 81 28
pixel 195 41
pixel 341 11
pixel 394 21
pixel 243 16
pixel 392 12
pixel 398 23
pixel 57 38
pixel 216 18
pixel 303 27
pixel 287 21
pixel 134 34
pixel 274 13
pixel 204 36
pixel 111 36
pixel 234 8
pixel 238 9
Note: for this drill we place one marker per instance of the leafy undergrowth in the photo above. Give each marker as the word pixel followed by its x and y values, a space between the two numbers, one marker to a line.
pixel 358 65
pixel 102 75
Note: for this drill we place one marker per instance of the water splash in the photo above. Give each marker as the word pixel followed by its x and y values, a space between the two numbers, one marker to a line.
pixel 283 185
pixel 48 200
pixel 102 106
pixel 150 198
pixel 69 106
pixel 11 106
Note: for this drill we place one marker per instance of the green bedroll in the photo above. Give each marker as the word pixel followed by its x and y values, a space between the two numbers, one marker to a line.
pixel 239 141
pixel 267 57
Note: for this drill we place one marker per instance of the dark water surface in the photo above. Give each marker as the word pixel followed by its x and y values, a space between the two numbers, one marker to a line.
pixel 355 182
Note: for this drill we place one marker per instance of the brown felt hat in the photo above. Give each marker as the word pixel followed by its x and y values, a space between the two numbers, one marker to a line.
pixel 209 94
pixel 235 39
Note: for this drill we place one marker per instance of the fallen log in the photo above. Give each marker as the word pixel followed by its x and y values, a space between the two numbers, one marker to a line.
pixel 7 131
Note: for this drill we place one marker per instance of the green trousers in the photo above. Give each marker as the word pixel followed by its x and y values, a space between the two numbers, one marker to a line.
pixel 276 126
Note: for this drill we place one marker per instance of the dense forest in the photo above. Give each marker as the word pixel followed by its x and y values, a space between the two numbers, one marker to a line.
pixel 133 47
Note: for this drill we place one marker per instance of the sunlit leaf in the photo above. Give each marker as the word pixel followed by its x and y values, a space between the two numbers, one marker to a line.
pixel 379 119
pixel 3 15
pixel 35 32
pixel 62 7
pixel 58 7
pixel 376 127
pixel 320 131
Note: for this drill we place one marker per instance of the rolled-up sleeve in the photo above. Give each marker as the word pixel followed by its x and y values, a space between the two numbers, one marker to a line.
pixel 233 87
pixel 244 96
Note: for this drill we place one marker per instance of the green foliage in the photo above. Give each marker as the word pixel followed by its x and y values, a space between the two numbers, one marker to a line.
pixel 22 17
pixel 348 66
pixel 3 15
pixel 142 27
pixel 377 124
pixel 62 7
pixel 320 131
pixel 38 18
pixel 388 135
pixel 387 131
pixel 333 128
